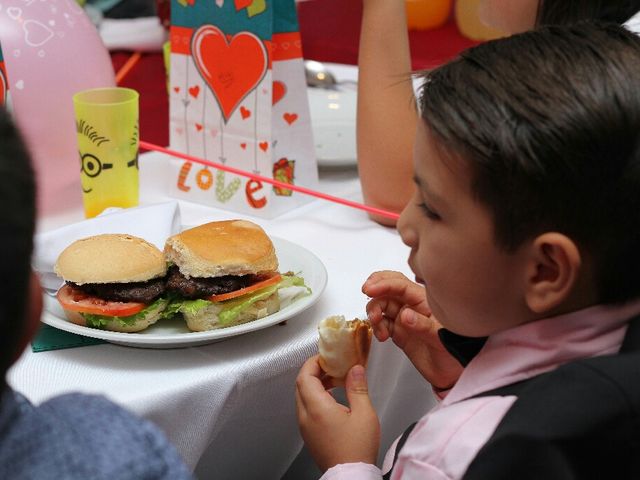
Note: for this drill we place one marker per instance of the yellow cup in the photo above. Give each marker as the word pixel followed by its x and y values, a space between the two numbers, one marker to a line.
pixel 108 138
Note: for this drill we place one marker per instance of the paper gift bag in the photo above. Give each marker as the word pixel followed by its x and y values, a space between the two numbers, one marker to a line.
pixel 238 97
pixel 4 90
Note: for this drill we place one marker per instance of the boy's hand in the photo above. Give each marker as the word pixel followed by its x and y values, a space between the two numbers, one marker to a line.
pixel 335 433
pixel 398 309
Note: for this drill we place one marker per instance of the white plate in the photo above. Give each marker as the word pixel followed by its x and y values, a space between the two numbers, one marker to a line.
pixel 333 118
pixel 174 333
pixel 333 121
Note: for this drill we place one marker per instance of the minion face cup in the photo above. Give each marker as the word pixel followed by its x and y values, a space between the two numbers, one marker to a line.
pixel 108 139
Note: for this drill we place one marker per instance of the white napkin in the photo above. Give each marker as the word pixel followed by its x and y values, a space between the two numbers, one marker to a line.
pixel 154 223
pixel 144 34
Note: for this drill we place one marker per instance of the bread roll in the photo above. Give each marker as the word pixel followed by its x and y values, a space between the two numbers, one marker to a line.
pixel 110 258
pixel 343 344
pixel 215 249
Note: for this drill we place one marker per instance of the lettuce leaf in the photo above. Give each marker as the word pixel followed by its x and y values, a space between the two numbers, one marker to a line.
pixel 235 306
pixel 101 321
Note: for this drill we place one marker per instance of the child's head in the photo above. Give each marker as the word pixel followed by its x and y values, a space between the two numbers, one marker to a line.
pixel 514 16
pixel 17 218
pixel 528 162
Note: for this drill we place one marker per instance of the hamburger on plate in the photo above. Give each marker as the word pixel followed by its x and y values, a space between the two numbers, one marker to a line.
pixel 225 273
pixel 112 282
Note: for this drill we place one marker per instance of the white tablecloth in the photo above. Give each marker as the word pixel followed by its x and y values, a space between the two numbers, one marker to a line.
pixel 229 406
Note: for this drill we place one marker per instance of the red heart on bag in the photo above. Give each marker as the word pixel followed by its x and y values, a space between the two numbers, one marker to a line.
pixel 240 4
pixel 290 117
pixel 176 89
pixel 279 90
pixel 194 91
pixel 263 146
pixel 243 146
pixel 231 69
pixel 198 126
pixel 245 113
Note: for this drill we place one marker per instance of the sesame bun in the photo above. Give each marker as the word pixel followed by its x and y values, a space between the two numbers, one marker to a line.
pixel 230 247
pixel 110 258
pixel 343 344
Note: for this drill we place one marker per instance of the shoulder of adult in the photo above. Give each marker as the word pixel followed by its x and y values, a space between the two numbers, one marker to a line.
pixel 125 446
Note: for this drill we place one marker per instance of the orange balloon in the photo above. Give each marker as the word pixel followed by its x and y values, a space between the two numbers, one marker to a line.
pixel 427 14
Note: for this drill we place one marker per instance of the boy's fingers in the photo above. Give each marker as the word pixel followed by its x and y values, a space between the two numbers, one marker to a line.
pixel 308 384
pixel 375 309
pixel 301 409
pixel 401 290
pixel 380 308
pixel 382 275
pixel 357 389
pixel 382 330
pixel 416 323
pixel 380 278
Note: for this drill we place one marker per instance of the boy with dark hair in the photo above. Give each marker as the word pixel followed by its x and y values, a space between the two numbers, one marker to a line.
pixel 524 231
pixel 73 436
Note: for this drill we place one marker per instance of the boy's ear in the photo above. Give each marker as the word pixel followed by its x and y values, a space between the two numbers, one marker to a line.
pixel 552 271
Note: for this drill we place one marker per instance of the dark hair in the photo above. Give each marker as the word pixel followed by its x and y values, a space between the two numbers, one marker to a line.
pixel 549 123
pixel 565 12
pixel 17 220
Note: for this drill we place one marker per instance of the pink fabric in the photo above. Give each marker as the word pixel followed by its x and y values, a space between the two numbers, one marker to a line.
pixel 537 347
pixel 445 440
pixel 361 471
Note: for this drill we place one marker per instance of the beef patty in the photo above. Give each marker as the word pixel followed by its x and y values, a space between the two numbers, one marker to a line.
pixel 145 292
pixel 201 287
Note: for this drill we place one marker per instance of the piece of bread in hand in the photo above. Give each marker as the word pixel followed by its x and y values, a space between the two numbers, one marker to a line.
pixel 343 344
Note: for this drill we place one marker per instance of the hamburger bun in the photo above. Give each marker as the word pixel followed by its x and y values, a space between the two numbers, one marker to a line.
pixel 343 344
pixel 110 258
pixel 230 247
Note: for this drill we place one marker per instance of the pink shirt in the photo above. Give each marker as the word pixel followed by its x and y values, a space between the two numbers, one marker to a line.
pixel 446 440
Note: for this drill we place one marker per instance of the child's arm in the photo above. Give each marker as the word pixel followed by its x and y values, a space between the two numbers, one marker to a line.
pixel 333 433
pixel 399 310
pixel 387 117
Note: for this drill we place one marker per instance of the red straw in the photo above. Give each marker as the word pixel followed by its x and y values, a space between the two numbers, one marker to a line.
pixel 296 188
pixel 127 67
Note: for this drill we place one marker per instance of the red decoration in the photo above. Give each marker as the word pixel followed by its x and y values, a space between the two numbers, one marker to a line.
pixel 290 117
pixel 194 91
pixel 279 91
pixel 252 187
pixel 232 69
pixel 182 176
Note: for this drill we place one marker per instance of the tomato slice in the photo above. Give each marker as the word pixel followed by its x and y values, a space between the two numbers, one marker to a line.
pixel 73 299
pixel 243 291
